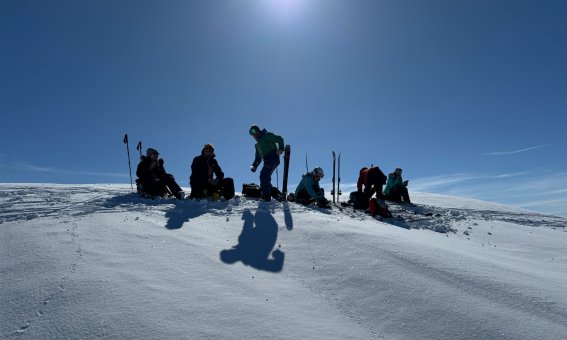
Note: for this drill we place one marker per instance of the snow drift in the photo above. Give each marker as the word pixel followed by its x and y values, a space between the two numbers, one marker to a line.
pixel 96 261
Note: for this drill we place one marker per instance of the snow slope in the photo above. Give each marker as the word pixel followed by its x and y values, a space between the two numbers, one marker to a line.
pixel 96 261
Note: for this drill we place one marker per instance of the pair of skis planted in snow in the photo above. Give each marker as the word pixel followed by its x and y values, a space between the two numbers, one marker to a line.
pixel 287 153
pixel 336 169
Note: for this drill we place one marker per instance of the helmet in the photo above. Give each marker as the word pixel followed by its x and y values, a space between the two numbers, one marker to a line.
pixel 208 146
pixel 151 151
pixel 318 172
pixel 254 129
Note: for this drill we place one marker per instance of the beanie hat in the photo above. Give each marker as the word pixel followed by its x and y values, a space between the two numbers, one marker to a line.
pixel 151 151
pixel 208 146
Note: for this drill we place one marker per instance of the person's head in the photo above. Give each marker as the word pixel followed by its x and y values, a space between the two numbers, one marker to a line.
pixel 152 153
pixel 398 172
pixel 254 131
pixel 318 173
pixel 208 150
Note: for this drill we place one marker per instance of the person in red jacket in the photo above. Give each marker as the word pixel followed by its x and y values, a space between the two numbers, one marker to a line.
pixel 370 181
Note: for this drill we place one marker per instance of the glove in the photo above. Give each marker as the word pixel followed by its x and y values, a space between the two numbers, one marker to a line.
pixel 280 151
pixel 253 168
pixel 213 181
pixel 160 161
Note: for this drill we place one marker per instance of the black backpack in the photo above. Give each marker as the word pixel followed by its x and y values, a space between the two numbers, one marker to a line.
pixel 251 190
pixel 227 188
pixel 358 200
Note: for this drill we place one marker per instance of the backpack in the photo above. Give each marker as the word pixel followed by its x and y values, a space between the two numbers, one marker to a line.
pixel 227 188
pixel 379 207
pixel 251 190
pixel 358 200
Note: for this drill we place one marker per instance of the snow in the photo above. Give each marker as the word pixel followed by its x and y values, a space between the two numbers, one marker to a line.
pixel 96 261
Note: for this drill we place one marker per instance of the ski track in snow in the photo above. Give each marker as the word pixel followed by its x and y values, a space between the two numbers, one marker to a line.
pixel 71 203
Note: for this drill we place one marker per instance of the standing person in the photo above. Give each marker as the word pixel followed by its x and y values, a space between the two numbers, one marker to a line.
pixel 372 179
pixel 269 147
pixel 396 188
pixel 152 178
pixel 203 171
pixel 308 189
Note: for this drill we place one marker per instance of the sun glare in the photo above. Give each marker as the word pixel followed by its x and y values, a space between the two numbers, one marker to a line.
pixel 286 8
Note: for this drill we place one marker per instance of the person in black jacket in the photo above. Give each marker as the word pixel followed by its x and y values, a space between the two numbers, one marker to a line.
pixel 206 175
pixel 152 178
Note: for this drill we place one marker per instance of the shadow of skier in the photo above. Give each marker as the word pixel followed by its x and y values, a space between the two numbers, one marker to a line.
pixel 287 216
pixel 180 214
pixel 255 243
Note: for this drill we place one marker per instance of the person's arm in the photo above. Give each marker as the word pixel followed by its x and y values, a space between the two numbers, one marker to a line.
pixel 278 140
pixel 359 184
pixel 310 187
pixel 217 170
pixel 257 159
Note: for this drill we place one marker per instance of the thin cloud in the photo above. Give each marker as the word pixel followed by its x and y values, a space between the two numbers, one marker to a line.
pixel 34 168
pixel 504 153
pixel 430 183
pixel 545 192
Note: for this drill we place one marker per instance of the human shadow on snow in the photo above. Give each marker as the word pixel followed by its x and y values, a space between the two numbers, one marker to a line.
pixel 256 242
pixel 181 212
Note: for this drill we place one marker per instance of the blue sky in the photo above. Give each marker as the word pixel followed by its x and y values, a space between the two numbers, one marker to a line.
pixel 469 97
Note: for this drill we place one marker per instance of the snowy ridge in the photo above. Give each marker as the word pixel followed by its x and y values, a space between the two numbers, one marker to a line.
pixel 96 261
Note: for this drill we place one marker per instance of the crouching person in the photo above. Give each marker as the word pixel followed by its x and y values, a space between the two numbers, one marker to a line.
pixel 396 188
pixel 152 178
pixel 207 178
pixel 309 191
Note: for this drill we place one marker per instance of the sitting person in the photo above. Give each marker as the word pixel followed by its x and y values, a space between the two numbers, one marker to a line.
pixel 207 178
pixel 396 188
pixel 308 190
pixel 152 178
pixel 372 179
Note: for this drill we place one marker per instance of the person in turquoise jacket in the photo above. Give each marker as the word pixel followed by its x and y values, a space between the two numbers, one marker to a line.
pixel 396 188
pixel 309 191
pixel 269 147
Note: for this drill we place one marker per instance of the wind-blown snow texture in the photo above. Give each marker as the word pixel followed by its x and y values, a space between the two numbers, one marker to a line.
pixel 96 261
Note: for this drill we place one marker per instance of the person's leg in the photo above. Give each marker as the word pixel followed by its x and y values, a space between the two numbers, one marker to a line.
pixel 171 184
pixel 395 195
pixel 405 195
pixel 303 197
pixel 271 161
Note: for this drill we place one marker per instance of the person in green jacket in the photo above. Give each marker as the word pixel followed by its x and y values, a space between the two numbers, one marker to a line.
pixel 309 191
pixel 269 147
pixel 396 188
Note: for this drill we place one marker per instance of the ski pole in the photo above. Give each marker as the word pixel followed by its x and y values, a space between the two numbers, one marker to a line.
pixel 129 166
pixel 139 148
pixel 278 178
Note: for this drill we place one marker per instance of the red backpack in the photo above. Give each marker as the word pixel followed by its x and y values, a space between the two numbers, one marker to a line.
pixel 378 207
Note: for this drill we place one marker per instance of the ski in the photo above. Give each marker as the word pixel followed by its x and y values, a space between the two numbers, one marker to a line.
pixel 339 179
pixel 334 166
pixel 287 152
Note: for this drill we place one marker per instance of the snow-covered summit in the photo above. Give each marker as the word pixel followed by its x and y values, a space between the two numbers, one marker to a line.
pixel 96 261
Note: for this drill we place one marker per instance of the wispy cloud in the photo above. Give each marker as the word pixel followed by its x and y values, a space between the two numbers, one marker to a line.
pixel 504 153
pixel 543 192
pixel 21 166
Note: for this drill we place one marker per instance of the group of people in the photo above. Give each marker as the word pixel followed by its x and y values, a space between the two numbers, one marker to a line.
pixel 207 178
pixel 371 180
